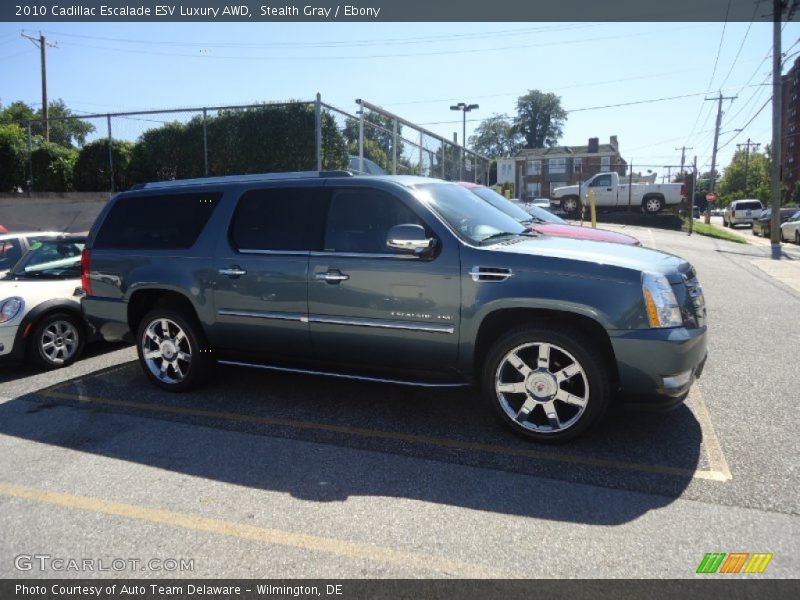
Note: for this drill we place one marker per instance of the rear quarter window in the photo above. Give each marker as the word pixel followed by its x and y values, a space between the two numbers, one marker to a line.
pixel 164 221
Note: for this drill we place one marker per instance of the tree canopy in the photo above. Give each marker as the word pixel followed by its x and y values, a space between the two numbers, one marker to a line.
pixel 496 137
pixel 540 119
pixel 68 133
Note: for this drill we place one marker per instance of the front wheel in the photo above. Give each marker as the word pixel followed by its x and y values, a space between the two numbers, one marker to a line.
pixel 547 384
pixel 57 341
pixel 172 350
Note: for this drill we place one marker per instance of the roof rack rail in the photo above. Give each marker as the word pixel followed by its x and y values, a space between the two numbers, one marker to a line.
pixel 242 179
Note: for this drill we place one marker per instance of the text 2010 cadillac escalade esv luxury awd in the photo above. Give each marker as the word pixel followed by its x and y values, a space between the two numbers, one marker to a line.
pixel 399 279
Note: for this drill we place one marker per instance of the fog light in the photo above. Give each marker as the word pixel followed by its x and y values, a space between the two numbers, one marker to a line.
pixel 678 380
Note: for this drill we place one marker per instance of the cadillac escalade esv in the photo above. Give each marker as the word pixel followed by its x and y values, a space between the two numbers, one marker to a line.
pixel 404 280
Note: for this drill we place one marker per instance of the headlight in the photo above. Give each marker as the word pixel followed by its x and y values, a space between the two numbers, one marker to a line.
pixel 10 308
pixel 660 302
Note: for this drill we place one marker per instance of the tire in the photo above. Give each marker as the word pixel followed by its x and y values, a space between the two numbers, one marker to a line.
pixel 571 205
pixel 652 205
pixel 797 237
pixel 57 341
pixel 583 375
pixel 173 351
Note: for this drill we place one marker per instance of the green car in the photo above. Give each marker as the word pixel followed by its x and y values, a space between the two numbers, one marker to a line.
pixel 405 280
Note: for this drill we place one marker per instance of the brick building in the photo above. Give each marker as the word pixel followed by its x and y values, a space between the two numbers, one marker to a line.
pixel 790 126
pixel 536 172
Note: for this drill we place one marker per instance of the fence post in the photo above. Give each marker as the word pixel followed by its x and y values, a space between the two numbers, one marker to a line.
pixel 444 158
pixel 318 129
pixel 394 146
pixel 205 141
pixel 30 160
pixel 360 136
pixel 110 154
pixel 420 172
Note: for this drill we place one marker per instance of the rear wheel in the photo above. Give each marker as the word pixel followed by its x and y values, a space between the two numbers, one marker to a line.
pixel 172 350
pixel 571 205
pixel 653 204
pixel 57 341
pixel 547 384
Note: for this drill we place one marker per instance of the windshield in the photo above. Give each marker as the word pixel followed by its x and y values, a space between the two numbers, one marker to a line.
pixel 501 203
pixel 53 259
pixel 473 219
pixel 542 214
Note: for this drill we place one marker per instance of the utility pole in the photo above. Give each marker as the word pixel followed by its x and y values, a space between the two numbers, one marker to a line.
pixel 747 159
pixel 775 178
pixel 713 182
pixel 42 44
pixel 683 150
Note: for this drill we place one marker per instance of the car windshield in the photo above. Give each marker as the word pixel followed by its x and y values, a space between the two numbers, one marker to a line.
pixel 50 259
pixel 543 215
pixel 502 203
pixel 472 218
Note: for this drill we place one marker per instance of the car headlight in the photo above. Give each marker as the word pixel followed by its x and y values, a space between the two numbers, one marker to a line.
pixel 10 308
pixel 660 302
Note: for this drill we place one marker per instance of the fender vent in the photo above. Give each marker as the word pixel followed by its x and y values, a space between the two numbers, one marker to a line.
pixel 490 273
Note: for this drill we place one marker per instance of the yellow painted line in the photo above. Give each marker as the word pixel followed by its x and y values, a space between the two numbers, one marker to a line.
pixel 719 466
pixel 300 541
pixel 396 436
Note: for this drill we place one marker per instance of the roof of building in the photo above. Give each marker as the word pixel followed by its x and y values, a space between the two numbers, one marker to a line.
pixel 566 151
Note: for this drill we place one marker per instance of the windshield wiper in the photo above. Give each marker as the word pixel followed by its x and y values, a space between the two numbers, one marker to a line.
pixel 500 234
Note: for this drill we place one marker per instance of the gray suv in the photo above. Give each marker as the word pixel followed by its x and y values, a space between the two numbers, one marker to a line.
pixel 404 280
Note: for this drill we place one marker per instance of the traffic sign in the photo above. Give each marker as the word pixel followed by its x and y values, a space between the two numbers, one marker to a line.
pixel 711 197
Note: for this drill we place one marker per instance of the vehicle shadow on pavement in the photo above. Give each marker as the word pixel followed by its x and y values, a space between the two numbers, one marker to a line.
pixel 15 371
pixel 326 440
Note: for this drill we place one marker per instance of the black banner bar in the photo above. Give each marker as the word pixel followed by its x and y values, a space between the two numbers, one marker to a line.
pixel 386 11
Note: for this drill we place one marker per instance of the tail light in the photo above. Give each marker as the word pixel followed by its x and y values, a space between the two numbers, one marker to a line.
pixel 86 283
pixel 683 190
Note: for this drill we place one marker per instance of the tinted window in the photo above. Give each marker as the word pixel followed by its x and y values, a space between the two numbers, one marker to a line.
pixel 358 220
pixel 279 219
pixel 9 253
pixel 501 203
pixel 156 222
pixel 602 181
pixel 748 206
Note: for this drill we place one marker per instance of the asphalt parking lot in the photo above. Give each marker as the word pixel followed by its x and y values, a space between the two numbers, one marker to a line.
pixel 273 475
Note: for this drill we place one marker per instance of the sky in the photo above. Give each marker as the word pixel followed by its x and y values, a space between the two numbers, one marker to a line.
pixel 660 72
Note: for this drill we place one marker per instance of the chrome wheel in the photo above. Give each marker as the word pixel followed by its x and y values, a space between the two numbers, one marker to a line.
pixel 59 342
pixel 166 351
pixel 570 205
pixel 653 205
pixel 542 387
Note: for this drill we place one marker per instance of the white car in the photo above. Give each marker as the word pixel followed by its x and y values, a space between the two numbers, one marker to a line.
pixel 790 230
pixel 741 212
pixel 40 311
pixel 14 245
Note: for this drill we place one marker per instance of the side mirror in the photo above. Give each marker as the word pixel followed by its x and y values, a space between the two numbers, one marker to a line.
pixel 410 239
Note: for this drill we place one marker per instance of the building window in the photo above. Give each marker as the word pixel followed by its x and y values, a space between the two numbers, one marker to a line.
pixel 534 167
pixel 557 165
pixel 533 190
pixel 577 165
pixel 605 163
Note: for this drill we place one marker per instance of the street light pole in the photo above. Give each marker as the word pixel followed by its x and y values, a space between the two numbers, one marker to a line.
pixel 464 108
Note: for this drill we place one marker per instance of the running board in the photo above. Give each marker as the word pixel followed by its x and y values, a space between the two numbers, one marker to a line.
pixel 235 363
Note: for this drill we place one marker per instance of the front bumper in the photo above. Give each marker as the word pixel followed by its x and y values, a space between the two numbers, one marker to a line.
pixel 658 366
pixel 8 337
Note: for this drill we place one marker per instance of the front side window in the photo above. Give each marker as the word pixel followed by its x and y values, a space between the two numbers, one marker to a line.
pixel 279 219
pixel 602 181
pixel 360 219
pixel 51 259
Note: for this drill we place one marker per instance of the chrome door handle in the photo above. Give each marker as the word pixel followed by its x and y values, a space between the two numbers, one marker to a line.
pixel 233 271
pixel 331 277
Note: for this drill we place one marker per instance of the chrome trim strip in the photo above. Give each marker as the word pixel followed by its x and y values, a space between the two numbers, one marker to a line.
pixel 317 254
pixel 274 252
pixel 263 315
pixel 406 325
pixel 235 363
pixel 478 274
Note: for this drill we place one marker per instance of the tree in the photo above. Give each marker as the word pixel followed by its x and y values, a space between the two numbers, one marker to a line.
pixel 496 137
pixel 92 169
pixel 173 151
pixel 52 167
pixel 379 130
pixel 67 132
pixel 13 156
pixel 540 119
pixel 731 185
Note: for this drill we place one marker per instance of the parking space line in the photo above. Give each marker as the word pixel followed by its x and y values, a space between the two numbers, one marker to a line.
pixel 439 442
pixel 715 456
pixel 278 537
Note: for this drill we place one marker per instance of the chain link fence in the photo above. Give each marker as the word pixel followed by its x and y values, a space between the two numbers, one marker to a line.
pixel 119 150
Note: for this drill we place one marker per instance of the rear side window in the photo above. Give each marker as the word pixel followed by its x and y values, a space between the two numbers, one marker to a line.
pixel 156 222
pixel 279 219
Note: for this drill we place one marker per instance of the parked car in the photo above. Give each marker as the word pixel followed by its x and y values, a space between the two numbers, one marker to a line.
pixel 541 202
pixel 790 229
pixel 40 313
pixel 14 245
pixel 612 193
pixel 368 168
pixel 741 212
pixel 542 221
pixel 763 224
pixel 399 279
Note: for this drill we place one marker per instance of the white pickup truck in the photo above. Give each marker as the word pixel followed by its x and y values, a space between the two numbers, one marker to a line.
pixel 610 193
